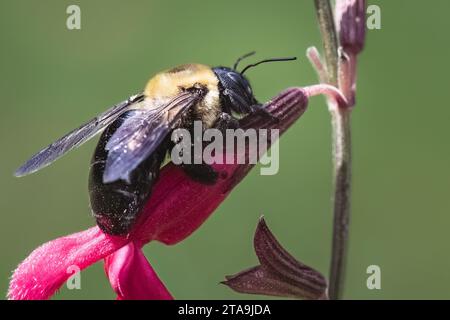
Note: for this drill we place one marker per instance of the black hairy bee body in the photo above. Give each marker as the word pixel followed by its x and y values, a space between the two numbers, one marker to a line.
pixel 116 205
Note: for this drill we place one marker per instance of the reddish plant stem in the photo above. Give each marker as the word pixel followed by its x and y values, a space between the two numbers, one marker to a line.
pixel 341 146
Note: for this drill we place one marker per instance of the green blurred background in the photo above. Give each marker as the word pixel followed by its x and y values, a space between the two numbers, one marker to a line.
pixel 53 79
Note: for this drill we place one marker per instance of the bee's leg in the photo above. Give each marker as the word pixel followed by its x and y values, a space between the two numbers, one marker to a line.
pixel 259 109
pixel 200 172
pixel 226 121
pixel 203 172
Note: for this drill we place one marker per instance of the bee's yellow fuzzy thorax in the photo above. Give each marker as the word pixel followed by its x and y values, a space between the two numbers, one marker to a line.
pixel 168 83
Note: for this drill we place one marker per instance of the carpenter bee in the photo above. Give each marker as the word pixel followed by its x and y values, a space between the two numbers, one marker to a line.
pixel 136 139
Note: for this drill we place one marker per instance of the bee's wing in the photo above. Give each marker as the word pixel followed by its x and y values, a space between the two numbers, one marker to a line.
pixel 141 134
pixel 76 137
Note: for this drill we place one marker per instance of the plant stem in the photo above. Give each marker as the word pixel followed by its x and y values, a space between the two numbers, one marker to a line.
pixel 340 118
pixel 341 146
pixel 329 38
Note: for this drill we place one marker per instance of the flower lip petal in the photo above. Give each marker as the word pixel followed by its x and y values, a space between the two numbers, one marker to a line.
pixel 132 276
pixel 47 267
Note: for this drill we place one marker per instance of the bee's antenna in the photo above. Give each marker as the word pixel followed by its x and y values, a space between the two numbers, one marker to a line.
pixel 241 58
pixel 267 60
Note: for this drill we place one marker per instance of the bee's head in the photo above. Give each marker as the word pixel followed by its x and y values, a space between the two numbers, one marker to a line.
pixel 236 93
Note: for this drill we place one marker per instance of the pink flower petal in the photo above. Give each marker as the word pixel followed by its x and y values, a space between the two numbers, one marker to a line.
pixel 132 277
pixel 46 268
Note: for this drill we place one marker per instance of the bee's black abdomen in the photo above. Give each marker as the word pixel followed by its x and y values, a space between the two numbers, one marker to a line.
pixel 117 205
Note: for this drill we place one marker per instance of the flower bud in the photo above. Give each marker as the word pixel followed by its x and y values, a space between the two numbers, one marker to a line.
pixel 350 18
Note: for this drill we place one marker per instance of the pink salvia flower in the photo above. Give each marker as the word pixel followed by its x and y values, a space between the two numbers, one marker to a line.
pixel 177 207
